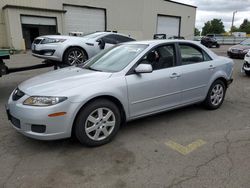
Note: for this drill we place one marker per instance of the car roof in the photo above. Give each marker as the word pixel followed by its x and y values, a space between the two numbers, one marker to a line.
pixel 157 42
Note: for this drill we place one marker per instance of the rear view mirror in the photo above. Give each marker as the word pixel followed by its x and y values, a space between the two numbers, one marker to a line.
pixel 144 68
pixel 101 43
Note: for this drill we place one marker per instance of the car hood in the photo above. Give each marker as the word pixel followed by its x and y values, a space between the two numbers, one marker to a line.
pixel 62 37
pixel 55 82
pixel 240 47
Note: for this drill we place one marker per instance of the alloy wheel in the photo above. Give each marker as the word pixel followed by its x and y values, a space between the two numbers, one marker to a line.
pixel 100 124
pixel 76 57
pixel 217 94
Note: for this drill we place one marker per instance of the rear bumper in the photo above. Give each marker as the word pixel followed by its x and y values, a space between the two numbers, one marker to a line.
pixel 229 82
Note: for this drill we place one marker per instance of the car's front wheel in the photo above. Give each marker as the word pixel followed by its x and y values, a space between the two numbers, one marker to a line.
pixel 97 123
pixel 74 56
pixel 216 95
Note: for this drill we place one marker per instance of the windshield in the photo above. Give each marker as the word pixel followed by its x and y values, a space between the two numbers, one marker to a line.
pixel 116 58
pixel 93 35
pixel 246 42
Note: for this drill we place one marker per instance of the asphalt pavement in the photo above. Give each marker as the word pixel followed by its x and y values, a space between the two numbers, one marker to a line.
pixel 190 147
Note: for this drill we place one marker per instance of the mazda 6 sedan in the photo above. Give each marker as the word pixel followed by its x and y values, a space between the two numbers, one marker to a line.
pixel 120 84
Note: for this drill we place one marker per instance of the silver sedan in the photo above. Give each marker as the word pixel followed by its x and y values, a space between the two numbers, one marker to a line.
pixel 123 83
pixel 71 50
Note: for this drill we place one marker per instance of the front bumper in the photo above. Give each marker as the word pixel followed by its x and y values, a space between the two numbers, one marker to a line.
pixel 34 122
pixel 246 67
pixel 52 52
pixel 236 55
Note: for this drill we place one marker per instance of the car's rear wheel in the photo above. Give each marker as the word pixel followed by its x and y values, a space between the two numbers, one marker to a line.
pixel 97 123
pixel 216 95
pixel 74 56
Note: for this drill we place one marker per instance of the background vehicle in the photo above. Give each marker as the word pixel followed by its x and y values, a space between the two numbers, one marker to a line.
pixel 73 50
pixel 164 36
pixel 123 83
pixel 246 65
pixel 209 42
pixel 240 50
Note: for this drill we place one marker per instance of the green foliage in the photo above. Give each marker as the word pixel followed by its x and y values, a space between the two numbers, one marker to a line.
pixel 214 26
pixel 245 26
pixel 234 29
pixel 197 32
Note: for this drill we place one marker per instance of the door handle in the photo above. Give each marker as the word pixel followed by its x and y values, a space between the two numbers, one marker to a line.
pixel 211 67
pixel 175 75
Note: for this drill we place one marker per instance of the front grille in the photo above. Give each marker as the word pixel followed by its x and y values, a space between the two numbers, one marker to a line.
pixel 235 50
pixel 37 41
pixel 18 94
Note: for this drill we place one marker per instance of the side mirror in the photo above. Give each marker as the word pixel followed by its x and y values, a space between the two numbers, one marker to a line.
pixel 144 68
pixel 101 43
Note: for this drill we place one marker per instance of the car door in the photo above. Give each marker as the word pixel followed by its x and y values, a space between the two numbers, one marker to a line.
pixel 197 70
pixel 156 91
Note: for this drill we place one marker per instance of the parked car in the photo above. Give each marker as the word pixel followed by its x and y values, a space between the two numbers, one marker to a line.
pixel 240 50
pixel 123 83
pixel 246 65
pixel 73 50
pixel 210 42
pixel 164 36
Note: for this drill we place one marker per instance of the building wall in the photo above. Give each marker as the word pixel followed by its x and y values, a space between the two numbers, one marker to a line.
pixel 136 18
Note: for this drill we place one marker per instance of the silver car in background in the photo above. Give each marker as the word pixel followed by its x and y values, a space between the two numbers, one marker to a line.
pixel 120 84
pixel 73 50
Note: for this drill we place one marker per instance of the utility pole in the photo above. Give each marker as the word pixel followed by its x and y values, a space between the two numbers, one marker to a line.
pixel 233 20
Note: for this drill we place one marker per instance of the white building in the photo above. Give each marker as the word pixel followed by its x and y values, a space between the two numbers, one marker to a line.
pixel 23 20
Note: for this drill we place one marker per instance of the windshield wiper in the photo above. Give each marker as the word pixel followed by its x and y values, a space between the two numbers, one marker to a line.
pixel 90 68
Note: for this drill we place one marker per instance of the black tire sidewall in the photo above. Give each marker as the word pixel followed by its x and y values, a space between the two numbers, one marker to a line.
pixel 65 57
pixel 247 73
pixel 208 102
pixel 83 115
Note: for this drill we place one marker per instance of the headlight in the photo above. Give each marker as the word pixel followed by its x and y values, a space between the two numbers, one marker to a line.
pixel 245 51
pixel 43 101
pixel 50 40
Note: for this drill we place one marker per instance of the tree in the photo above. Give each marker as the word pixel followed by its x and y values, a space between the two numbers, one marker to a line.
pixel 234 29
pixel 214 26
pixel 197 32
pixel 245 26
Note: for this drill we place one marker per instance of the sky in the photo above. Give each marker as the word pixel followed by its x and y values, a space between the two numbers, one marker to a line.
pixel 221 9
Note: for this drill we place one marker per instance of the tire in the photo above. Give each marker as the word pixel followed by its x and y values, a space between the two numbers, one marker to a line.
pixel 74 56
pixel 92 117
pixel 247 73
pixel 216 95
pixel 217 45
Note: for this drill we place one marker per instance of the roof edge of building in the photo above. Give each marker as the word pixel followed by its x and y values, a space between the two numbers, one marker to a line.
pixel 32 8
pixel 181 3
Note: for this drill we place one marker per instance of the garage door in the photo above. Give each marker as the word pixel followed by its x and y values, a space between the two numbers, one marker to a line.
pixel 86 20
pixel 33 20
pixel 34 26
pixel 168 25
